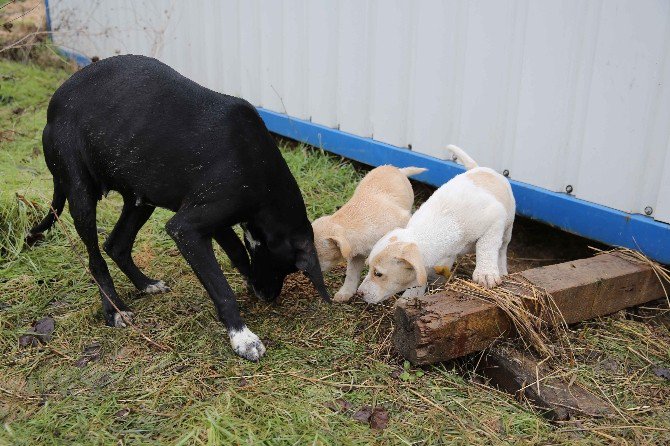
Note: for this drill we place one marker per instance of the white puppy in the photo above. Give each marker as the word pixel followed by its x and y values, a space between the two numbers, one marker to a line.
pixel 474 210
pixel 381 202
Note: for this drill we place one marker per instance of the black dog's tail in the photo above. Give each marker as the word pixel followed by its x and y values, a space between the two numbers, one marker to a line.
pixel 57 205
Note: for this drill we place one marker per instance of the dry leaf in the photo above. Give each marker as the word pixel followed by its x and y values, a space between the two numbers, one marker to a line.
pixel 379 419
pixel 363 414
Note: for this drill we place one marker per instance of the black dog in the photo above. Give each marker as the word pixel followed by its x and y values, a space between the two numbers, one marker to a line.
pixel 134 125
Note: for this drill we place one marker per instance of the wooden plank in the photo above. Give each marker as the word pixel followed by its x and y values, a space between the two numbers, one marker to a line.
pixel 596 286
pixel 444 326
pixel 519 374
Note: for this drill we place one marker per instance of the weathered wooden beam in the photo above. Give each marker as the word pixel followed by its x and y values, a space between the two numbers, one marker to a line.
pixel 444 326
pixel 519 374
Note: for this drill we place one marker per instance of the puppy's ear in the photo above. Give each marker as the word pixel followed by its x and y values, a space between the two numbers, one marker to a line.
pixel 410 254
pixel 343 245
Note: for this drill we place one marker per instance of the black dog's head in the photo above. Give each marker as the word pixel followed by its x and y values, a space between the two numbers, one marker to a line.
pixel 273 257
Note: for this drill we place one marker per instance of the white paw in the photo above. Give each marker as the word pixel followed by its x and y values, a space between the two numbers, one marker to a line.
pixel 246 344
pixel 342 296
pixel 488 279
pixel 121 317
pixel 158 287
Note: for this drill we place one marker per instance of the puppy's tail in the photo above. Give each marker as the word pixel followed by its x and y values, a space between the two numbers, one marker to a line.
pixel 411 171
pixel 463 157
pixel 57 205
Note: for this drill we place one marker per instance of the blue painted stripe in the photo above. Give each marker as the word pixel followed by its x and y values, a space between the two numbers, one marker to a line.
pixel 48 13
pixel 566 212
pixel 79 58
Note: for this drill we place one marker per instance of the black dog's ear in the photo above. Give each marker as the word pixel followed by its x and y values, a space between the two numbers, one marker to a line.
pixel 308 262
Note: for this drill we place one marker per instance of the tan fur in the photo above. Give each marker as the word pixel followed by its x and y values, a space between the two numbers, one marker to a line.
pixel 399 263
pixel 444 271
pixel 381 202
pixel 492 183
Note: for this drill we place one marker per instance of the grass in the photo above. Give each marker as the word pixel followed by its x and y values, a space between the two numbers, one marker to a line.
pixel 199 392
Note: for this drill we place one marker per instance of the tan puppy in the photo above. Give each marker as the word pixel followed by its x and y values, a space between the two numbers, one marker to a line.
pixel 472 211
pixel 381 202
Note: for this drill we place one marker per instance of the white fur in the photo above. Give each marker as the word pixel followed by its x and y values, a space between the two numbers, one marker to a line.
pixel 158 287
pixel 246 344
pixel 252 242
pixel 119 317
pixel 459 217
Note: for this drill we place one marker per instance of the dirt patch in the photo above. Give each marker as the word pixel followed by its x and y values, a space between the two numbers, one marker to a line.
pixel 144 256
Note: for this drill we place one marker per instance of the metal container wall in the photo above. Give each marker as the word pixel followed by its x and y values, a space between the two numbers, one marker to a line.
pixel 559 93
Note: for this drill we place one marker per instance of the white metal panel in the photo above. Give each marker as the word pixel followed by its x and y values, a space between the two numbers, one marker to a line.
pixel 436 79
pixel 294 93
pixel 353 88
pixel 560 93
pixel 322 31
pixel 390 25
pixel 663 201
pixel 227 50
pixel 622 93
pixel 488 78
pixel 250 51
pixel 271 31
pixel 547 88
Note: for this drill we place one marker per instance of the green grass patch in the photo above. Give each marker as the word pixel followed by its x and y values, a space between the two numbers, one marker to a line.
pixel 199 392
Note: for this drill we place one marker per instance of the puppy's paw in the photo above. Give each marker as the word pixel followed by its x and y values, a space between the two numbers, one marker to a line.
pixel 488 279
pixel 158 287
pixel 246 344
pixel 342 296
pixel 122 318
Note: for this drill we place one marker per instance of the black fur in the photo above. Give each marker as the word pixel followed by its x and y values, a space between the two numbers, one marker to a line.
pixel 134 125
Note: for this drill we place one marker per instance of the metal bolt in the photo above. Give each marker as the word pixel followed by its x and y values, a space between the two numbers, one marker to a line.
pixel 648 210
pixel 409 146
pixel 568 189
pixel 506 173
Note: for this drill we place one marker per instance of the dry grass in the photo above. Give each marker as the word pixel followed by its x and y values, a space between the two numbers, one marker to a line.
pixel 532 310
pixel 24 37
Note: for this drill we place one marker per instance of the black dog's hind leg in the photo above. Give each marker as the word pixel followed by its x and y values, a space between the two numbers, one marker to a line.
pixel 187 228
pixel 119 246
pixel 235 250
pixel 82 208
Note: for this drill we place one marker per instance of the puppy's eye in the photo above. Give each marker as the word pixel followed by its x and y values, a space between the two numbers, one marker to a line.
pixel 377 273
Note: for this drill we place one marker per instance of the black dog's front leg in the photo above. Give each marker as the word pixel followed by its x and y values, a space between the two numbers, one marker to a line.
pixel 235 250
pixel 196 247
